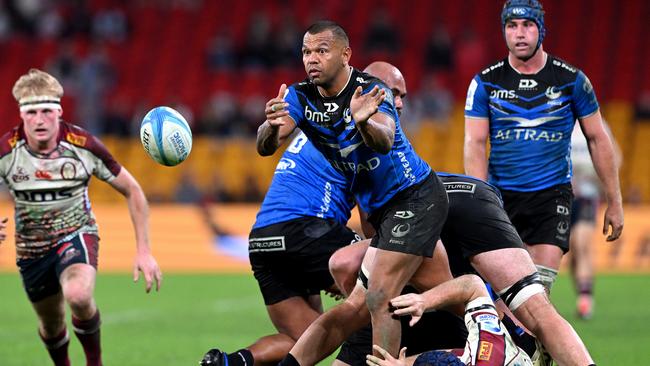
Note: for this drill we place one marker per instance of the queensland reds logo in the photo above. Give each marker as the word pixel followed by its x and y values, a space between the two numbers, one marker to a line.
pixel 68 170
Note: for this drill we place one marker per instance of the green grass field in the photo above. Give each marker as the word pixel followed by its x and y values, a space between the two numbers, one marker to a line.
pixel 193 313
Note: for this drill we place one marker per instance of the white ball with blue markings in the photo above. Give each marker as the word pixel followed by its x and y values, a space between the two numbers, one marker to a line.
pixel 166 136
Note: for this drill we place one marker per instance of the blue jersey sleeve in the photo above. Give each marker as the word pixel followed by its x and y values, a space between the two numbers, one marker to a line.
pixel 294 108
pixel 584 97
pixel 388 105
pixel 477 102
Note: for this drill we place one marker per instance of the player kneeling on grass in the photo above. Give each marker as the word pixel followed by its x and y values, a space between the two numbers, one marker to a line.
pixel 47 164
pixel 488 342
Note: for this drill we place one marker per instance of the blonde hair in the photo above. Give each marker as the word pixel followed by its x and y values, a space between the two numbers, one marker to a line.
pixel 37 86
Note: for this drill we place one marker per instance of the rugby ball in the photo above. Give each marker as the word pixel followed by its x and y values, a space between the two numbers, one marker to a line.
pixel 166 136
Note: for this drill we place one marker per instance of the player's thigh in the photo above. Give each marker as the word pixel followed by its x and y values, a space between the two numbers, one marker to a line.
pixel 291 259
pixel 433 271
pixel 76 266
pixel 547 255
pixel 503 267
pixel 292 316
pixel 390 271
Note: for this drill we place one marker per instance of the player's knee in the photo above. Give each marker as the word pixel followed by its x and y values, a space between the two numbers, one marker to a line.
pixel 343 269
pixel 547 276
pixel 522 290
pixel 79 298
pixel 377 300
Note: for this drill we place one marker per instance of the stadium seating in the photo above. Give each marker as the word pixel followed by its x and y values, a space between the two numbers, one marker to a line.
pixel 153 73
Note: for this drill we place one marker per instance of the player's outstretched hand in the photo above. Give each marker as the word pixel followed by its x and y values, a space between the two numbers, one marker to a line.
pixel 387 360
pixel 146 263
pixel 276 108
pixel 364 106
pixel 613 219
pixel 3 229
pixel 409 304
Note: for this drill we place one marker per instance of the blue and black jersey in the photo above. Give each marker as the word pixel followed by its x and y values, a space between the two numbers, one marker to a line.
pixel 531 119
pixel 305 185
pixel 374 178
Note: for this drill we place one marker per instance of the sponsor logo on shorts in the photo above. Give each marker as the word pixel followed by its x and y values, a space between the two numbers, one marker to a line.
pixel 268 244
pixel 562 210
pixel 404 214
pixel 484 351
pixel 460 187
pixel 69 254
pixel 400 230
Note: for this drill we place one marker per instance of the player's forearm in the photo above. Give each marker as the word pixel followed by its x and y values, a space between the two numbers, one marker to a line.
pixel 475 159
pixel 377 136
pixel 459 290
pixel 139 211
pixel 268 139
pixel 604 159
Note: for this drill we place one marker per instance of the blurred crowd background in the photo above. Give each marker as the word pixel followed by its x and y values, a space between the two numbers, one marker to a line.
pixel 218 62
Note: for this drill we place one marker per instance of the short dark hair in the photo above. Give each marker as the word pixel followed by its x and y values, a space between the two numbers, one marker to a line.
pixel 328 25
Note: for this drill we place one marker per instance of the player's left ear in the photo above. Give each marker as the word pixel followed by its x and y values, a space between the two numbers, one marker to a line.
pixel 346 55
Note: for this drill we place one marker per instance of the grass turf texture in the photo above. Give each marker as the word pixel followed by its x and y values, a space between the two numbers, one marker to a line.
pixel 193 313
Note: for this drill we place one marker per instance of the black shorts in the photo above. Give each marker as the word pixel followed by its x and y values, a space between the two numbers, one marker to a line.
pixel 412 220
pixel 41 275
pixel 291 258
pixel 541 217
pixel 584 210
pixel 476 223
pixel 436 330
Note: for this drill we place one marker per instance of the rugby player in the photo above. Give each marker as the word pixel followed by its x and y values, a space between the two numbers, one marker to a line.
pixel 47 164
pixel 527 105
pixel 350 118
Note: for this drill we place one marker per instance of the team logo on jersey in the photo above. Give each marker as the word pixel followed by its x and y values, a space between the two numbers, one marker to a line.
pixel 20 176
pixel 331 107
pixel 362 80
pixel 553 93
pixel 347 117
pixel 527 84
pixel 484 351
pixel 68 170
pixel 76 139
pixel 400 230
